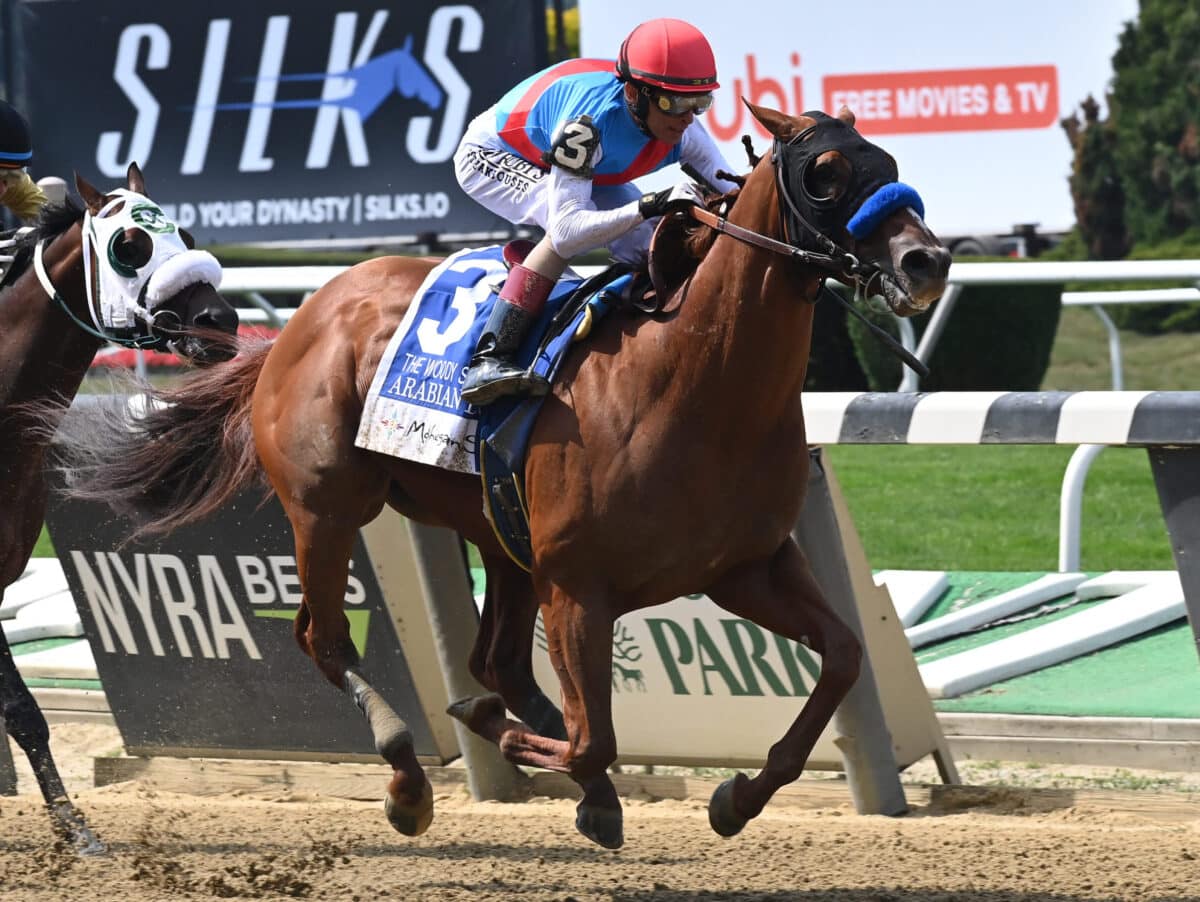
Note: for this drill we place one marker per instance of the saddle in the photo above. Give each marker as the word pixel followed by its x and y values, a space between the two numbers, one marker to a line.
pixel 505 425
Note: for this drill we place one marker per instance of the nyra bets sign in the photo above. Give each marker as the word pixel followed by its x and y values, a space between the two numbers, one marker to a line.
pixel 192 634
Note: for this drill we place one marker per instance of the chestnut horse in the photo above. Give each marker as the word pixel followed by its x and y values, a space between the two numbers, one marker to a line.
pixel 52 323
pixel 668 460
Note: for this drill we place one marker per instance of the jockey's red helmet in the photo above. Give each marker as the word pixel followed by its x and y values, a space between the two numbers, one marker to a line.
pixel 669 55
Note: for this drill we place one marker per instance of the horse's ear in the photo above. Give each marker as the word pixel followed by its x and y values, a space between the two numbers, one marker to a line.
pixel 134 179
pixel 846 115
pixel 91 196
pixel 781 125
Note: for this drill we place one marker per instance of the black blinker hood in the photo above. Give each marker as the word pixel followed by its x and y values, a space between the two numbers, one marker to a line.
pixel 870 168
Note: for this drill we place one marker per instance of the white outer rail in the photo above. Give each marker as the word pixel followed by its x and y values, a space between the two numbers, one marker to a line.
pixel 240 279
pixel 252 280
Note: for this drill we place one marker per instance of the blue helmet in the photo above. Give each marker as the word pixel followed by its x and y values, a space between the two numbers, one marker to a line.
pixel 16 146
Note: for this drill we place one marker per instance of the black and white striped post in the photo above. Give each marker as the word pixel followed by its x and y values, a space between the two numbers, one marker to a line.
pixel 1166 423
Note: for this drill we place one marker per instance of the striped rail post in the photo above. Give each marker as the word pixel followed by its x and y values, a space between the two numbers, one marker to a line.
pixel 1166 423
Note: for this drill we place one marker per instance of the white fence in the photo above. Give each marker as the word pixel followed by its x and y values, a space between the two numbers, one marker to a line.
pixel 252 282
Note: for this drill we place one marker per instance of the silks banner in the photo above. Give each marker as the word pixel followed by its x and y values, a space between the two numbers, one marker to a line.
pixel 271 121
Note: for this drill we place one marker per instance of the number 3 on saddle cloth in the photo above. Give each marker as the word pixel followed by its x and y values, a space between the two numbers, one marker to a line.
pixel 415 409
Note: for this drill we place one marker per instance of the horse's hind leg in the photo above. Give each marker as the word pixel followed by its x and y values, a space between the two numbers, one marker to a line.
pixel 27 725
pixel 502 659
pixel 323 549
pixel 781 595
pixel 580 645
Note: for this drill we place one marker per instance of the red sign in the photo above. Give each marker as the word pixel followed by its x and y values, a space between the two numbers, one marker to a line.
pixel 947 100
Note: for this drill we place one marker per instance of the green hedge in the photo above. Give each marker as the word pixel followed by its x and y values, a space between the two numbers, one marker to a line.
pixel 998 338
pixel 1156 319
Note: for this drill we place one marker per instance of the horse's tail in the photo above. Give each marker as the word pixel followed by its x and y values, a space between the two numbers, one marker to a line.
pixel 178 459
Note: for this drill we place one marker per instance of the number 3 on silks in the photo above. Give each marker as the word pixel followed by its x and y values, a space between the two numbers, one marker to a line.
pixel 574 146
pixel 467 298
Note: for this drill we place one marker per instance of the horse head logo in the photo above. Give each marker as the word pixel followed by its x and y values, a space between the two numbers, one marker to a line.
pixel 362 88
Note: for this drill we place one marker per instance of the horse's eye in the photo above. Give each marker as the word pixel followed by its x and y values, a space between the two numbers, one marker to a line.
pixel 826 180
pixel 131 249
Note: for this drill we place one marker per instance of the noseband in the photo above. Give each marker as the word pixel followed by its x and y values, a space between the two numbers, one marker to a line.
pixel 137 342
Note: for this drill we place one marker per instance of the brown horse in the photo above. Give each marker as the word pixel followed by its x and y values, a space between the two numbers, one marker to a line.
pixel 48 337
pixel 669 460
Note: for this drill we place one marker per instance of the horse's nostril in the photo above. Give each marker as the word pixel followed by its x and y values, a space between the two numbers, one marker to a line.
pixel 926 263
pixel 225 321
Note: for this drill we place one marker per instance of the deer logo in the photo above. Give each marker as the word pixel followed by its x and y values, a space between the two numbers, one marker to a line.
pixel 625 649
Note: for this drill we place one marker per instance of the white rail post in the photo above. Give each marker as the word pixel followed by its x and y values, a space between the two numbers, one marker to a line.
pixel 1070 513
pixel 1114 347
pixel 863 736
pixel 933 331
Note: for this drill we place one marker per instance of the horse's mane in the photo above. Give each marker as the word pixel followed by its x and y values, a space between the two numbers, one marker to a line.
pixel 681 242
pixel 52 222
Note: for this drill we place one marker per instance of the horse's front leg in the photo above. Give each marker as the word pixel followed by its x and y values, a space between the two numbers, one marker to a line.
pixel 20 715
pixel 579 637
pixel 323 552
pixel 25 722
pixel 781 595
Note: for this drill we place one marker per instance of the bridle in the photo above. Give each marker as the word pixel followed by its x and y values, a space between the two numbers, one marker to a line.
pixel 117 292
pixel 831 259
pixel 148 340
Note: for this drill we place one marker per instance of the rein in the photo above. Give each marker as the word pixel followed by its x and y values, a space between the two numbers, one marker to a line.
pixel 838 262
pixel 39 266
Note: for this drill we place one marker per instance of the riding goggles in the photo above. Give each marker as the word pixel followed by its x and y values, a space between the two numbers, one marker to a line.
pixel 679 104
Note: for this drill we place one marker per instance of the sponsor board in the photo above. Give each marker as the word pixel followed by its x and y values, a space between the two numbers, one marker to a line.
pixel 192 635
pixel 681 668
pixel 262 121
pixel 969 105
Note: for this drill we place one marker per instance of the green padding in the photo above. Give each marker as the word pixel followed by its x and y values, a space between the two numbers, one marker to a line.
pixel 1155 675
pixel 970 587
pixel 26 648
pixel 89 685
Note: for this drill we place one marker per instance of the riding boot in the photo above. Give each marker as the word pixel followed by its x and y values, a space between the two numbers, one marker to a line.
pixel 493 372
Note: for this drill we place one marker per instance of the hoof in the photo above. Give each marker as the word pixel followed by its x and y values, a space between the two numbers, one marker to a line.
pixel 476 711
pixel 722 815
pixel 411 820
pixel 87 845
pixel 74 829
pixel 604 826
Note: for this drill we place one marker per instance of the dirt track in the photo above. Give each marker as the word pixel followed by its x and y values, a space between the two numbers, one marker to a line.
pixel 1007 845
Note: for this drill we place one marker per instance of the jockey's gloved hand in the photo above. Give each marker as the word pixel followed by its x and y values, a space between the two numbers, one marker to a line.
pixel 670 200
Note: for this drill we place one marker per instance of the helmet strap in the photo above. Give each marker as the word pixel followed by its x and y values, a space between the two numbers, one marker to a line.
pixel 639 108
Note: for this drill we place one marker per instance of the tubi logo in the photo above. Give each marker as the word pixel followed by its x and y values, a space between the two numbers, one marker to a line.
pixel 728 119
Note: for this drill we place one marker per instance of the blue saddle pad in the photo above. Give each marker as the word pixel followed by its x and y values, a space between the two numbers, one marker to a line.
pixel 505 425
pixel 415 408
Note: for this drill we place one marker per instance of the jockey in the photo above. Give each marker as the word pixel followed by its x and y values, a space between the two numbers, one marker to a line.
pixel 561 150
pixel 18 191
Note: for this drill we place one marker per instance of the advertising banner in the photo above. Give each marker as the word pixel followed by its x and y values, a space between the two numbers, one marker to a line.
pixel 273 120
pixel 192 636
pixel 968 101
